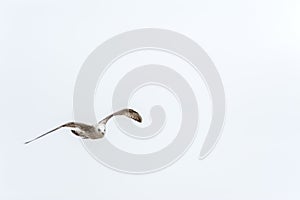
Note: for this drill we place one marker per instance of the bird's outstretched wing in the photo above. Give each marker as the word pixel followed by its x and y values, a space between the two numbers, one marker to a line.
pixel 73 125
pixel 126 112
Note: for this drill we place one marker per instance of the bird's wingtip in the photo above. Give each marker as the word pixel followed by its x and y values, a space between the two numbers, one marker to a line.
pixel 140 119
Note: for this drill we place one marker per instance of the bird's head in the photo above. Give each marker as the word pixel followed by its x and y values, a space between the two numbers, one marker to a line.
pixel 101 128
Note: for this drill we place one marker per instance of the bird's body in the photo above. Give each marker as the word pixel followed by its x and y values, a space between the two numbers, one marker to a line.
pixel 87 131
pixel 96 131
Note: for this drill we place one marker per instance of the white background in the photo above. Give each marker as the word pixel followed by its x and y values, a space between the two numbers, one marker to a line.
pixel 255 45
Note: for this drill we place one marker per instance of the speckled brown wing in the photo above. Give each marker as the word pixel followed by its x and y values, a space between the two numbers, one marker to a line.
pixel 74 125
pixel 126 112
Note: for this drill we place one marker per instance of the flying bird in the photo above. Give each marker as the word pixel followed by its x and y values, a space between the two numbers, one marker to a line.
pixel 96 131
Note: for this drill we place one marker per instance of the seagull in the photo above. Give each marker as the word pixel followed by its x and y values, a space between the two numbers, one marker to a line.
pixel 96 131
